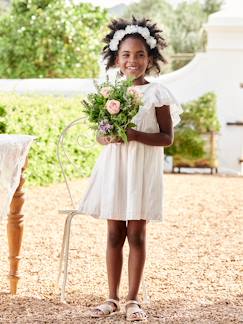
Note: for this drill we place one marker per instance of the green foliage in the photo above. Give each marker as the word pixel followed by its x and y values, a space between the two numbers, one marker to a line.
pixel 199 117
pixel 182 25
pixel 187 144
pixel 3 124
pixel 201 114
pixel 160 11
pixel 51 39
pixel 46 117
pixel 186 29
pixel 211 6
pixel 106 122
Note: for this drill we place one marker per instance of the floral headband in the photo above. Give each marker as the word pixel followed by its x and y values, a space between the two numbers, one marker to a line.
pixel 132 29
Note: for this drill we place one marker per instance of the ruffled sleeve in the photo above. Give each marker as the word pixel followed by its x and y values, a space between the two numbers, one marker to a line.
pixel 163 97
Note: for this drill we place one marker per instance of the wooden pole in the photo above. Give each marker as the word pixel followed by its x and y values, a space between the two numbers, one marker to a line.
pixel 15 232
pixel 213 159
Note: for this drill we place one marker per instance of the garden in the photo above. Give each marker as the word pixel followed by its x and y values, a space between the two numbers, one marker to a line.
pixel 193 271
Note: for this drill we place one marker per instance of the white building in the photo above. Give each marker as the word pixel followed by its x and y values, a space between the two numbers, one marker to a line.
pixel 219 69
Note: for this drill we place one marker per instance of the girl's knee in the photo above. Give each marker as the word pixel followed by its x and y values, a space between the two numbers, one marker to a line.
pixel 115 239
pixel 136 239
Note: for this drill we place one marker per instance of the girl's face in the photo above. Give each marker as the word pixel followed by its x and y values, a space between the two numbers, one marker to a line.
pixel 133 59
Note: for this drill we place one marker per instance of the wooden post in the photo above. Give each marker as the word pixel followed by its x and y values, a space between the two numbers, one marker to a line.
pixel 213 159
pixel 15 232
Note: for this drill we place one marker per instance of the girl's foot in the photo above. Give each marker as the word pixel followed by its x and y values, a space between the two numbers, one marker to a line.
pixel 134 312
pixel 110 307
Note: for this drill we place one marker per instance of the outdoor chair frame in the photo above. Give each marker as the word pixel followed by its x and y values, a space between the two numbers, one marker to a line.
pixel 61 151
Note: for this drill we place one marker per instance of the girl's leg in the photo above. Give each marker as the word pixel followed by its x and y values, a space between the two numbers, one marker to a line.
pixel 116 236
pixel 136 235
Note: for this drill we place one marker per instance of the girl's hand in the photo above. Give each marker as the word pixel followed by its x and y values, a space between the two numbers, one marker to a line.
pixel 131 134
pixel 104 140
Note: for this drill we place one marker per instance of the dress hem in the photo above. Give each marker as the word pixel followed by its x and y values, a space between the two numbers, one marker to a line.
pixel 98 216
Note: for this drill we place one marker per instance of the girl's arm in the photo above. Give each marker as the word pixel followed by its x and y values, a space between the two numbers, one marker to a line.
pixel 163 138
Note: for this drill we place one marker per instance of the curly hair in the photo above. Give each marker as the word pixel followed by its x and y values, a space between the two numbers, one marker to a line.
pixel 155 53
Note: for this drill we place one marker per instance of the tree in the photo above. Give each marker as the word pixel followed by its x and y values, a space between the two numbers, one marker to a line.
pixel 159 11
pixel 186 29
pixel 211 6
pixel 183 25
pixel 51 38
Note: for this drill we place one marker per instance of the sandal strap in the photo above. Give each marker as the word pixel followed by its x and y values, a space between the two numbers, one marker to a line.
pixel 115 302
pixel 129 302
pixel 135 309
pixel 105 308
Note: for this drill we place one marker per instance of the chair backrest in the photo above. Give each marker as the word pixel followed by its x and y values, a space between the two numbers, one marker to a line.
pixel 77 150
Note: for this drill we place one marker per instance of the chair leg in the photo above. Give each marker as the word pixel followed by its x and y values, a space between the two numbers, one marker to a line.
pixel 66 252
pixel 145 292
pixel 62 251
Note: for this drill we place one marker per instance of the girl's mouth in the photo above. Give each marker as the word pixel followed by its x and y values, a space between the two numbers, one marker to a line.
pixel 132 68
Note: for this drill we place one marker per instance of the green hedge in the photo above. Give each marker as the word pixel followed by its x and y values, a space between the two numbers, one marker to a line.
pixel 51 39
pixel 46 117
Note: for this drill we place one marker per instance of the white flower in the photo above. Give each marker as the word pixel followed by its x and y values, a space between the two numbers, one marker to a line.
pixel 118 36
pixel 152 42
pixel 144 32
pixel 132 29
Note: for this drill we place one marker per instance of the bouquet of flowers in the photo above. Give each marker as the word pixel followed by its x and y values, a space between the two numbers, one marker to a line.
pixel 110 110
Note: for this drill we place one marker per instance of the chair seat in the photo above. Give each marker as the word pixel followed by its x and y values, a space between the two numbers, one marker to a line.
pixel 68 211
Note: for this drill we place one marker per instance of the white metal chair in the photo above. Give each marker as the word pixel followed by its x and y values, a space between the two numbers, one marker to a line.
pixel 62 156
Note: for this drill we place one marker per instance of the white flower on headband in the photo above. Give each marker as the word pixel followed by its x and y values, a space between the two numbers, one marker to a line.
pixel 132 29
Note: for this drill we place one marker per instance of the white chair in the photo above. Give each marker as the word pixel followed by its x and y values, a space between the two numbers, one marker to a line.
pixel 63 157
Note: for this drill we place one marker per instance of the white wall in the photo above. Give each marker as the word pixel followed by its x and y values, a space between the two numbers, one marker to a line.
pixel 220 70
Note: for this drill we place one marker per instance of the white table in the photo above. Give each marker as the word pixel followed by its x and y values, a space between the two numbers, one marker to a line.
pixel 13 161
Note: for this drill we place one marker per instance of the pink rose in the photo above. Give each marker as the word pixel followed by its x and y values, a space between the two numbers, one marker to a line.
pixel 134 92
pixel 113 106
pixel 105 91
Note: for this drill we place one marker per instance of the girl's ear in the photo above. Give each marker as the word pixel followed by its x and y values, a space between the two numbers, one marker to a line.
pixel 117 61
pixel 150 64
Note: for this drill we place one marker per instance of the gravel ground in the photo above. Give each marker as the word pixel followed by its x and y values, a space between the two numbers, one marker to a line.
pixel 194 261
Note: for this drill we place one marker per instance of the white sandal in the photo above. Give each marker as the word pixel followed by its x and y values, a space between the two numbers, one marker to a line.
pixel 131 312
pixel 106 309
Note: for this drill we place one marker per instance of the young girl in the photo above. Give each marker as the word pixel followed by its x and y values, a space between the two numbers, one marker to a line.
pixel 126 185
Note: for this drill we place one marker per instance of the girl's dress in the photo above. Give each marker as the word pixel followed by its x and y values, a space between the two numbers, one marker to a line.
pixel 127 180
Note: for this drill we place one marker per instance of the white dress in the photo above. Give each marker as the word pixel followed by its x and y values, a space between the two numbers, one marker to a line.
pixel 127 180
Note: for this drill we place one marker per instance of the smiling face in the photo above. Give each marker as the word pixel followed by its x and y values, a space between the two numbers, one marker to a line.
pixel 133 59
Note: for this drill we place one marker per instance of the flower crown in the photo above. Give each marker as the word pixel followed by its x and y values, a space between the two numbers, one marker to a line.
pixel 132 29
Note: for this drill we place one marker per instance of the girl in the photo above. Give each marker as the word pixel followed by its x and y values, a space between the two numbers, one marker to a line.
pixel 126 185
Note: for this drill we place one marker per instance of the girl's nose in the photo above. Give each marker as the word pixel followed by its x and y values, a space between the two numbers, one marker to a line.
pixel 132 59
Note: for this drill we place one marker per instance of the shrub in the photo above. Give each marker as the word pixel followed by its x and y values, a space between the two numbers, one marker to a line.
pixel 3 113
pixel 46 117
pixel 199 117
pixel 51 39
